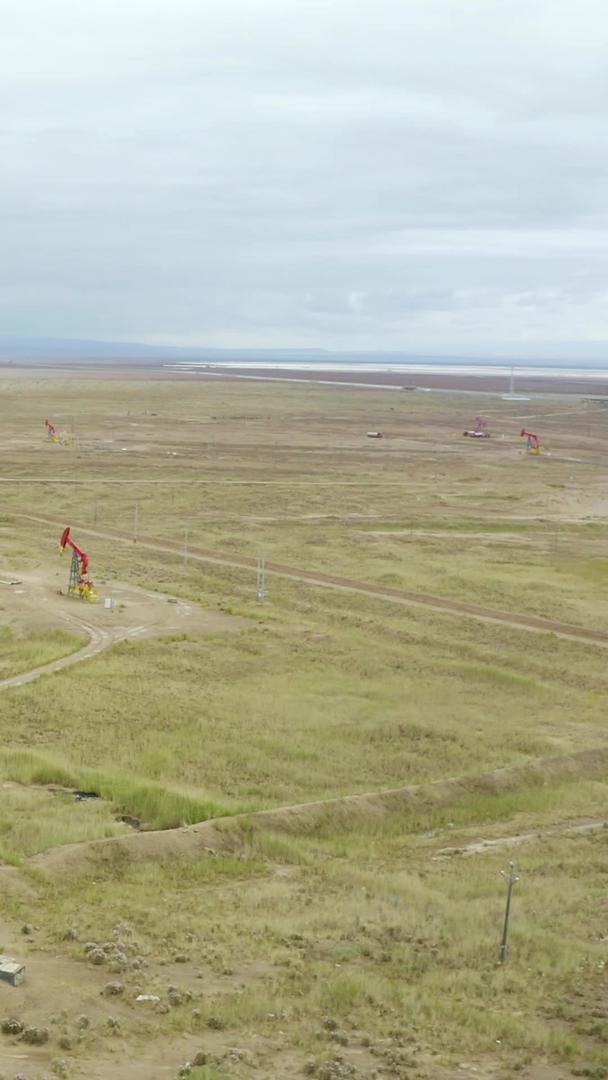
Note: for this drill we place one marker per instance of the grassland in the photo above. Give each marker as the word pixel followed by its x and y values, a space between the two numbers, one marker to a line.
pixel 274 716
pixel 25 649
pixel 368 944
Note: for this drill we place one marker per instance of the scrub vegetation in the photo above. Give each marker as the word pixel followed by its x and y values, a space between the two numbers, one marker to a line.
pixel 334 941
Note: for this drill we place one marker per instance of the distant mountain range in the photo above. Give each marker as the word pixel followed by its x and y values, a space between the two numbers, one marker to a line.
pixel 47 348
pixel 40 349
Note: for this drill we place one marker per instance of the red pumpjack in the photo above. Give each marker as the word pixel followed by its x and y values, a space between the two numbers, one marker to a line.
pixel 80 583
pixel 533 445
pixel 480 430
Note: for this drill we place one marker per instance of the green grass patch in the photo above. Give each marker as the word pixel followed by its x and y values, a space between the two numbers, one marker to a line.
pixel 154 804
pixel 286 715
pixel 593 571
pixel 491 674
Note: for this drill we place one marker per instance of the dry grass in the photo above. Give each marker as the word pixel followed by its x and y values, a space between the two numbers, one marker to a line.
pixel 387 943
pixel 25 649
pixel 267 718
pixel 33 820
pixel 323 694
pixel 155 805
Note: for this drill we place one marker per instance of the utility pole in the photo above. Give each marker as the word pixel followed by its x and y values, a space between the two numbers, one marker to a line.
pixel 185 545
pixel 260 593
pixel 510 879
pixel 136 522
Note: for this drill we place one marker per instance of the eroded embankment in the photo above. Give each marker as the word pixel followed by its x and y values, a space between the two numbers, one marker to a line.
pixel 227 834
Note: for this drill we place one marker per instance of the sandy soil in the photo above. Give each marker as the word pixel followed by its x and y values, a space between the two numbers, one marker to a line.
pixel 52 977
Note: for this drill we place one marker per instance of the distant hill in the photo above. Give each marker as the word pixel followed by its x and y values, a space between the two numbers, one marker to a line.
pixel 48 348
pixel 44 349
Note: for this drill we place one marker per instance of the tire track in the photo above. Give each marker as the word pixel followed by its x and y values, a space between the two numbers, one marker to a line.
pixel 480 847
pixel 99 639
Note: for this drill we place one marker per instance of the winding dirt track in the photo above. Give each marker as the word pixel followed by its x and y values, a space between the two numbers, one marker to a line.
pixel 519 620
pixel 138 614
pixel 99 639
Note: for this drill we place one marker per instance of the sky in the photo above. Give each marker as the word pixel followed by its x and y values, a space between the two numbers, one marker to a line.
pixel 426 176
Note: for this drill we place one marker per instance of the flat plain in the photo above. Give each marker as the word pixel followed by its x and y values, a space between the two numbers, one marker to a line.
pixel 303 805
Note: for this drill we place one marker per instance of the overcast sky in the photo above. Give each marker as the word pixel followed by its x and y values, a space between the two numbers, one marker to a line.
pixel 421 175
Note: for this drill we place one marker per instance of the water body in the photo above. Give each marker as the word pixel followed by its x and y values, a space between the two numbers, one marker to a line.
pixel 405 368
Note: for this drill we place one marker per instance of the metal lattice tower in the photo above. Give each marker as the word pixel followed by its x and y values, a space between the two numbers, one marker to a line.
pixel 260 592
pixel 74 584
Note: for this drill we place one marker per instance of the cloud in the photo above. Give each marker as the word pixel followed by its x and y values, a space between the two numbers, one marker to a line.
pixel 379 175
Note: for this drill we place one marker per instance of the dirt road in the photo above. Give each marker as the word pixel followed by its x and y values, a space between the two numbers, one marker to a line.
pixel 519 620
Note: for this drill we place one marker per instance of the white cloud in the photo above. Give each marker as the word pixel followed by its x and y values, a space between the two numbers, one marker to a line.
pixel 381 175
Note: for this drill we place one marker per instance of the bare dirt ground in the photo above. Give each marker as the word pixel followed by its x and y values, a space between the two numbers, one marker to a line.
pixel 79 987
pixel 53 978
pixel 431 380
pixel 439 380
pixel 36 601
